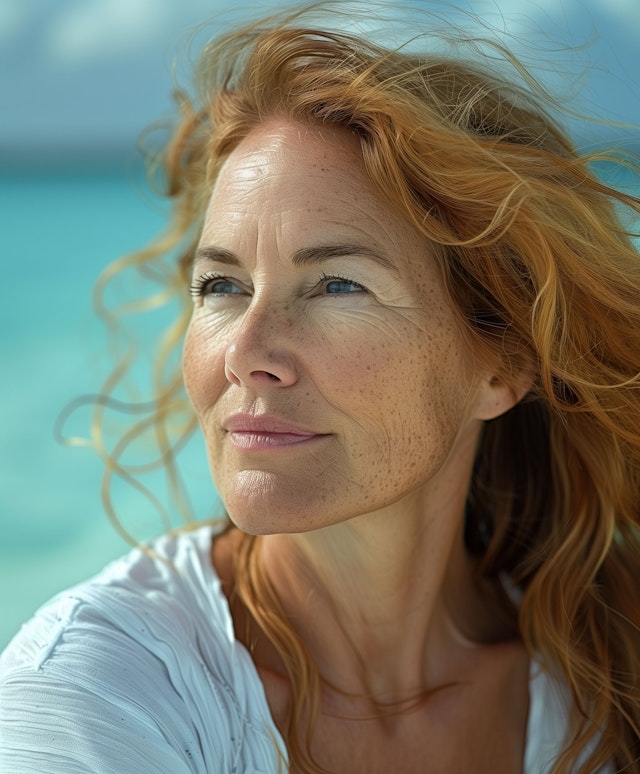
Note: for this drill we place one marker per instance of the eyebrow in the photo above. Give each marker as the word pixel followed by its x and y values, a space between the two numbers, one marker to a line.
pixel 304 256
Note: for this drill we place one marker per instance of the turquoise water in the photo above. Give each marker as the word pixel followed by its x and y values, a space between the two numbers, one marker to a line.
pixel 60 228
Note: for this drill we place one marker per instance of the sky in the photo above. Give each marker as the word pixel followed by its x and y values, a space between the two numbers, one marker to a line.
pixel 89 75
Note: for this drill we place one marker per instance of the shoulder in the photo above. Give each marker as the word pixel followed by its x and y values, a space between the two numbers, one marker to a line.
pixel 165 592
pixel 550 706
pixel 143 651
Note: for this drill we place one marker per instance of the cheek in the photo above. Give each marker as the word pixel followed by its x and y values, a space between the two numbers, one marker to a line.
pixel 410 394
pixel 402 367
pixel 203 366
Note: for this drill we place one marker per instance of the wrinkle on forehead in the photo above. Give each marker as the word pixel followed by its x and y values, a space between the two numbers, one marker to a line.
pixel 268 142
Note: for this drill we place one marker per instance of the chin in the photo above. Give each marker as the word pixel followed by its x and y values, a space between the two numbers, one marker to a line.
pixel 267 524
pixel 260 503
pixel 264 517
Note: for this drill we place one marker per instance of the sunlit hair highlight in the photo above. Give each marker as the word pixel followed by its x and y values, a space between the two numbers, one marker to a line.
pixel 537 257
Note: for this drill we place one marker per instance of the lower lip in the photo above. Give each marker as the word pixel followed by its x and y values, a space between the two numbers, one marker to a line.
pixel 250 441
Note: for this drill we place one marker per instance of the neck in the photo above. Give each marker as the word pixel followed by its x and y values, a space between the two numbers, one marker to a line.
pixel 385 602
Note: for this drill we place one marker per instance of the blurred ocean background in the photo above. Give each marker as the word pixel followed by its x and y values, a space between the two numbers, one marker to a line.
pixel 79 81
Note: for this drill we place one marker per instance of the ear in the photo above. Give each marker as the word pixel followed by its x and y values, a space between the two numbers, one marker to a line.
pixel 496 395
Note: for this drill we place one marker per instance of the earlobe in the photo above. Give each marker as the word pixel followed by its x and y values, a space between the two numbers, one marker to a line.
pixel 496 395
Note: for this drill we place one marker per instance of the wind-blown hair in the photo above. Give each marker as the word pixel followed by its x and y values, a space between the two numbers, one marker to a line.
pixel 537 258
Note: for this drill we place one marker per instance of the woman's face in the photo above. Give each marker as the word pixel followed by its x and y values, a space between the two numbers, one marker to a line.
pixel 327 370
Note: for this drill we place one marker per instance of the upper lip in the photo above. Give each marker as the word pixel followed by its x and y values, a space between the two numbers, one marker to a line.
pixel 264 423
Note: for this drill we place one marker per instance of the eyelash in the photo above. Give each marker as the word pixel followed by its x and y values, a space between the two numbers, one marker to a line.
pixel 198 285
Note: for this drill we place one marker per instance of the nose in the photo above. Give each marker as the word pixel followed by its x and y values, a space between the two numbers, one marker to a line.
pixel 260 352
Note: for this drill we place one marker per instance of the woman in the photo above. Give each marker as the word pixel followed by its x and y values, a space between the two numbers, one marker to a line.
pixel 413 352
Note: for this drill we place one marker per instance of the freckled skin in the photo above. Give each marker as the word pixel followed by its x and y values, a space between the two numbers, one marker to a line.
pixel 385 373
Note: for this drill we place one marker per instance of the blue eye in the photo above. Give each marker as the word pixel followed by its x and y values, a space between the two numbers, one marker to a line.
pixel 340 285
pixel 211 284
pixel 221 287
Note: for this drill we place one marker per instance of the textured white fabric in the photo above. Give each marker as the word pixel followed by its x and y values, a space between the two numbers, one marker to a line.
pixel 138 671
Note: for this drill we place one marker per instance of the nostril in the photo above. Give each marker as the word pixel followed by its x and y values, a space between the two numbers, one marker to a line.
pixel 265 375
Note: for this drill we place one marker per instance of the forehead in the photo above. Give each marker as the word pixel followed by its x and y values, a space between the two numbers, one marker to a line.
pixel 275 144
pixel 307 178
pixel 298 170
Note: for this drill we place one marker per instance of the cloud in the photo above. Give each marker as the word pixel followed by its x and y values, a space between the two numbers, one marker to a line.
pixel 14 17
pixel 626 12
pixel 102 29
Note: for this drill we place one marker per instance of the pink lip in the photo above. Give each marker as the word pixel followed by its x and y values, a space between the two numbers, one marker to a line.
pixel 262 431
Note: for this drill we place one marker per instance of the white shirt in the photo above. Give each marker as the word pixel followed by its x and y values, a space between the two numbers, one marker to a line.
pixel 138 670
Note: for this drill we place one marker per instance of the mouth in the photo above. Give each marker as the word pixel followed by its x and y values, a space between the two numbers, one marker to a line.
pixel 248 441
pixel 261 432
